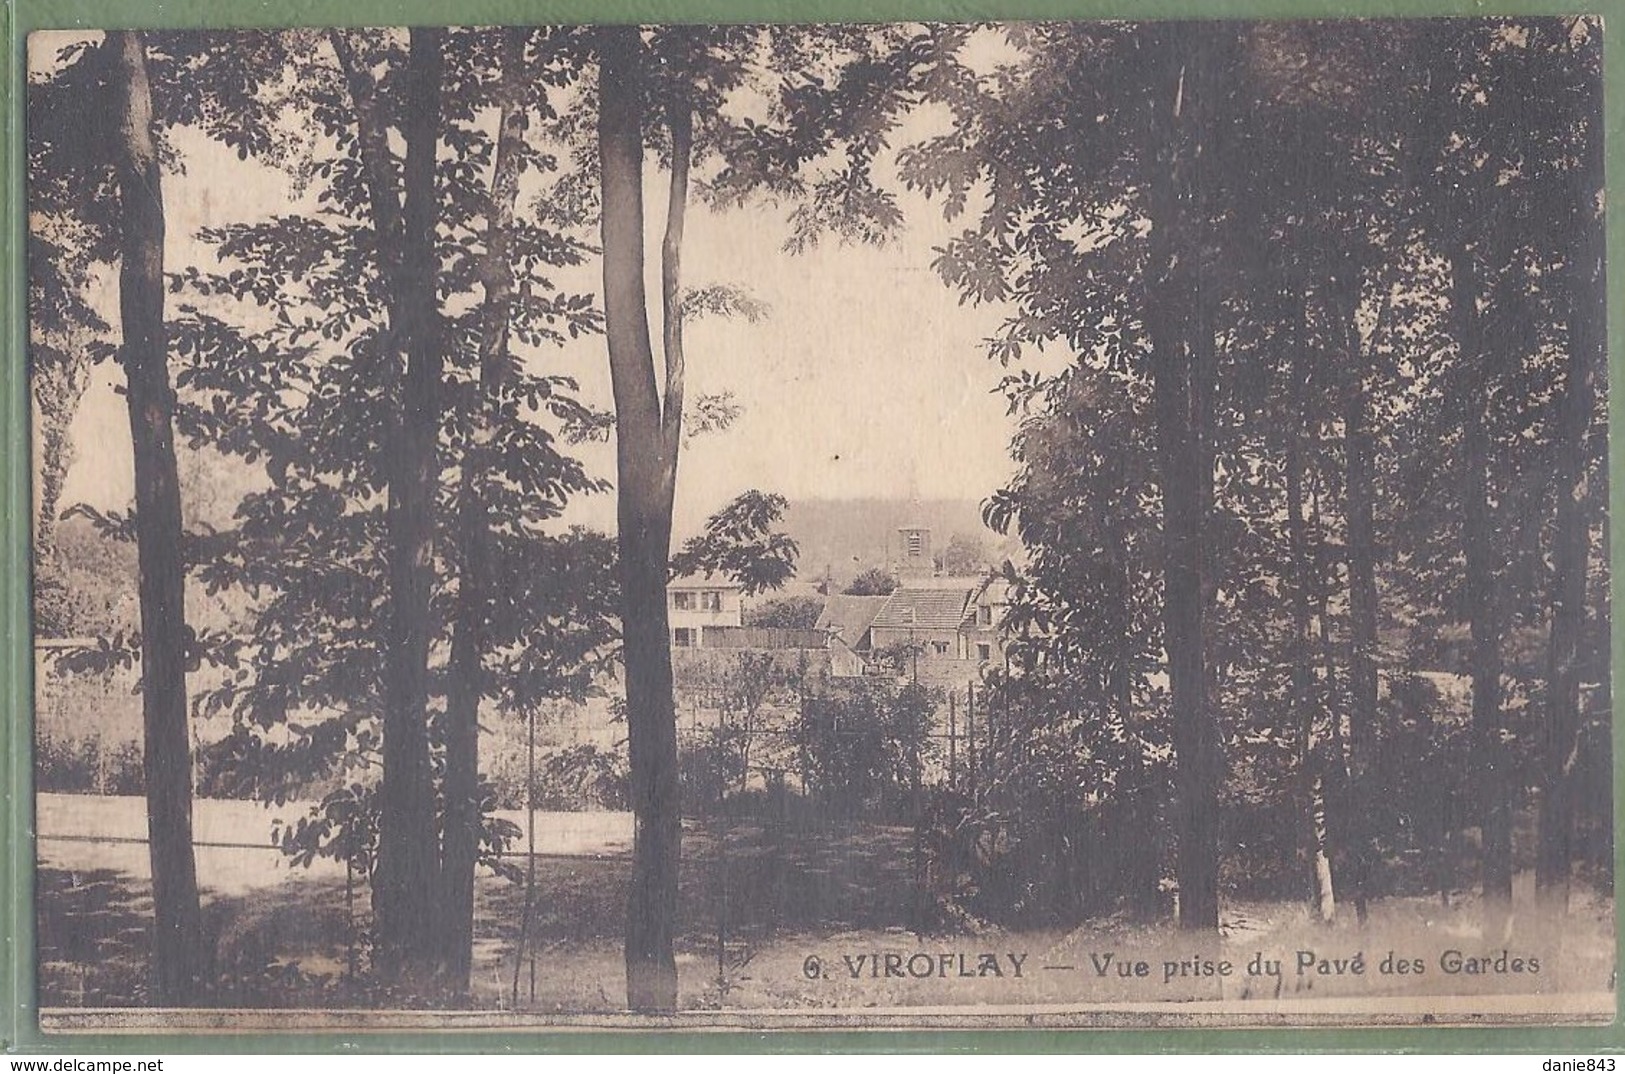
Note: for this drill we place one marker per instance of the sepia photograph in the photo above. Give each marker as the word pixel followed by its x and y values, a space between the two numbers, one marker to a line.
pixel 826 526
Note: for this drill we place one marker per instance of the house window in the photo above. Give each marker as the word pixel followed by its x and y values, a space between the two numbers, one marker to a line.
pixel 985 615
pixel 684 637
pixel 984 651
pixel 941 647
pixel 711 601
pixel 914 544
pixel 682 602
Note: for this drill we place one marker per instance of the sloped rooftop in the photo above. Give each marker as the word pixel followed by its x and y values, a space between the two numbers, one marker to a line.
pixel 849 617
pixel 926 607
pixel 995 592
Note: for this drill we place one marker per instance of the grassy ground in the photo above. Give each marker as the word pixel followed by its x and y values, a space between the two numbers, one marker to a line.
pixel 801 919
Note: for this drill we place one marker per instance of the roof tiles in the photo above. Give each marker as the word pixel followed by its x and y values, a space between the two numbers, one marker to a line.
pixel 925 608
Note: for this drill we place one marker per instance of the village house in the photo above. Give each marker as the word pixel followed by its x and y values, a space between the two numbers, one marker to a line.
pixel 984 624
pixel 696 602
pixel 927 613
pixel 948 626
pixel 846 621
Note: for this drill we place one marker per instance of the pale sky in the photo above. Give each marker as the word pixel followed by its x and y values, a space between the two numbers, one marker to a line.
pixel 867 379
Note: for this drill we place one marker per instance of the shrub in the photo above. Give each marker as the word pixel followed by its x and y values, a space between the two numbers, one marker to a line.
pixel 87 765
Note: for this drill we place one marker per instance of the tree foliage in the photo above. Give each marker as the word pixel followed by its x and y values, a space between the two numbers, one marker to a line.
pixel 740 543
pixel 871 582
pixel 786 613
pixel 1381 271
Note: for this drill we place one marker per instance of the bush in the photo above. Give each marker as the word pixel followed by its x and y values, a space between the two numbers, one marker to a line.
pixel 874 582
pixel 1052 863
pixel 87 765
pixel 584 777
pixel 709 768
pixel 1065 819
pixel 866 747
pixel 574 779
pixel 787 613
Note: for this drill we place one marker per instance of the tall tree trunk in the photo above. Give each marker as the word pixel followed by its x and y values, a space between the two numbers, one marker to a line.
pixel 408 850
pixel 1490 762
pixel 1179 115
pixel 1359 495
pixel 460 839
pixel 1304 700
pixel 372 142
pixel 1329 831
pixel 1571 552
pixel 646 469
pixel 180 955
pixel 1138 854
pixel 1324 885
pixel 747 732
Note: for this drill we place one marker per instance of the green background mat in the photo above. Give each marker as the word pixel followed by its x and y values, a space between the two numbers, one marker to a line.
pixel 19 1029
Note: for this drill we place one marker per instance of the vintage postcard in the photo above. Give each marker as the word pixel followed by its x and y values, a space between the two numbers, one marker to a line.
pixel 907 525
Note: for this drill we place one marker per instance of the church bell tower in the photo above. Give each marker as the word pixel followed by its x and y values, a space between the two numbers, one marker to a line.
pixel 914 552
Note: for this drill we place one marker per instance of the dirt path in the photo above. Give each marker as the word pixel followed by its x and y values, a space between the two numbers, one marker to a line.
pixel 234 852
pixel 770 919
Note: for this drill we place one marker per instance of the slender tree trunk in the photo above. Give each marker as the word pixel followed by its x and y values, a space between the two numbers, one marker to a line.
pixel 460 839
pixel 1174 322
pixel 1490 762
pixel 1572 544
pixel 1329 810
pixel 180 954
pixel 1359 495
pixel 1325 889
pixel 1138 849
pixel 372 140
pixel 408 850
pixel 1443 817
pixel 744 749
pixel 1304 700
pixel 646 468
